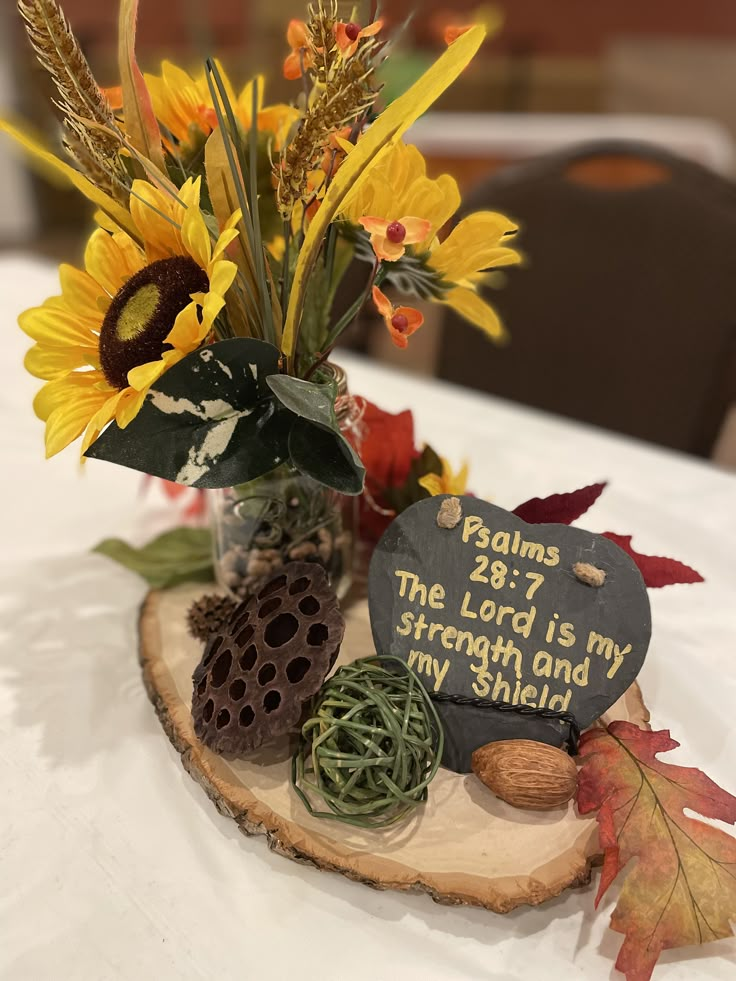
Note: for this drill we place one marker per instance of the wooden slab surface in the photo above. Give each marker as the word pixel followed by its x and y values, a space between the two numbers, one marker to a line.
pixel 464 846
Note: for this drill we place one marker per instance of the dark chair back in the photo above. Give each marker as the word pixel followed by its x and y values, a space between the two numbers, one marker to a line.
pixel 624 315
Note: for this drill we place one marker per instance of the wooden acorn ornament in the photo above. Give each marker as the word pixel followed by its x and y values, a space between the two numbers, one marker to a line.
pixel 270 658
pixel 526 773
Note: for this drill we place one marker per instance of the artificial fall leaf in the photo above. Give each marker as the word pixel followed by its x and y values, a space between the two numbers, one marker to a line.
pixel 387 448
pixel 656 569
pixel 559 509
pixel 682 889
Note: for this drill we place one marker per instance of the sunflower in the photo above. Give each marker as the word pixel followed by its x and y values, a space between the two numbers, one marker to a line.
pixel 130 315
pixel 181 102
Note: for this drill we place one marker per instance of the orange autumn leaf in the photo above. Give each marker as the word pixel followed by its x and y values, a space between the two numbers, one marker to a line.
pixel 682 889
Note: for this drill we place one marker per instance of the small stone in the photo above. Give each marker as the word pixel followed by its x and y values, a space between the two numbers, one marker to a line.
pixel 258 567
pixel 326 544
pixel 302 551
pixel 450 513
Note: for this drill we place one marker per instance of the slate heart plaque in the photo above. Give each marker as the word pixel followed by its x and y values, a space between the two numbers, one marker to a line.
pixel 493 609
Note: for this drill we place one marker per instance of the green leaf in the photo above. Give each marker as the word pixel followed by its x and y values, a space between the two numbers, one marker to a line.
pixel 326 456
pixel 308 400
pixel 182 555
pixel 210 421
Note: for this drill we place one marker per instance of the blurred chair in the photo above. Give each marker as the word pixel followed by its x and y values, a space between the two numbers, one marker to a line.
pixel 472 146
pixel 625 313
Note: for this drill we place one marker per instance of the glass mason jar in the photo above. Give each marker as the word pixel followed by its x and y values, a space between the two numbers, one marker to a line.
pixel 287 516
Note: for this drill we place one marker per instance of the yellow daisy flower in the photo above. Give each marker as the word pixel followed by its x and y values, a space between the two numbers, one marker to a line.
pixel 448 482
pixel 128 316
pixel 399 185
pixel 180 101
pixel 473 248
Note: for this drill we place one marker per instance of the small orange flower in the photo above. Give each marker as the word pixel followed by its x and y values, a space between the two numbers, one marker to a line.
pixel 350 35
pixel 296 36
pixel 390 238
pixel 453 33
pixel 402 322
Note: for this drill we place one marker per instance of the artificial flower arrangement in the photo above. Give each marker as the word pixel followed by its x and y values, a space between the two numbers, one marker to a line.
pixel 195 346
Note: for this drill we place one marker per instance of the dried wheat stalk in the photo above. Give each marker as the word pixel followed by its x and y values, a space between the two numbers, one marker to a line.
pixel 345 90
pixel 95 149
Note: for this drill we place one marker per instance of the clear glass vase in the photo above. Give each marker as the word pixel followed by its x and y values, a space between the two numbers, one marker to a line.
pixel 285 516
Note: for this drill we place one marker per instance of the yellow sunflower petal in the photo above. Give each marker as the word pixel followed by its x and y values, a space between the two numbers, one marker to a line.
pixel 56 393
pixel 188 331
pixel 132 259
pixel 196 238
pixel 189 194
pixel 228 235
pixel 82 295
pixel 54 325
pixel 475 310
pixel 68 421
pixel 129 406
pixel 222 276
pixel 152 213
pixel 101 418
pixel 51 363
pixel 143 376
pixel 104 261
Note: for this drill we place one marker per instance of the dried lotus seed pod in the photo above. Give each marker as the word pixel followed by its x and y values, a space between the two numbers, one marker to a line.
pixel 270 658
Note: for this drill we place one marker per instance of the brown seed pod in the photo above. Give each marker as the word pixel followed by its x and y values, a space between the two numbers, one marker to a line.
pixel 208 615
pixel 526 773
pixel 271 657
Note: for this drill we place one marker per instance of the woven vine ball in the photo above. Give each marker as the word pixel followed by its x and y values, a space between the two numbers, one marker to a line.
pixel 270 658
pixel 372 745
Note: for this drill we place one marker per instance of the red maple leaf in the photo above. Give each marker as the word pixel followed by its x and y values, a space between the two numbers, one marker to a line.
pixel 387 451
pixel 682 889
pixel 656 569
pixel 559 509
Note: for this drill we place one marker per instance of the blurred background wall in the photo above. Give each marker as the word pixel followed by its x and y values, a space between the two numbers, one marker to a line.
pixel 654 76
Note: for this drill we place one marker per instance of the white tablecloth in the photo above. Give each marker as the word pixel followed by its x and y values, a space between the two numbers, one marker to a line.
pixel 113 863
pixel 519 136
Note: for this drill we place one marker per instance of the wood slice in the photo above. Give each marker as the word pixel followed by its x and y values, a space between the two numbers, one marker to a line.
pixel 464 846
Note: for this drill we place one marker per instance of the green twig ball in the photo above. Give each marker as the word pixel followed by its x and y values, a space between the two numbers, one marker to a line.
pixel 372 745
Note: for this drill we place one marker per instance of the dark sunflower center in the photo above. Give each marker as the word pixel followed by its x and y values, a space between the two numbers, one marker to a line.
pixel 143 312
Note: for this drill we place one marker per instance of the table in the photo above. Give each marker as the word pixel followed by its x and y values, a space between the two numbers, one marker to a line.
pixel 114 864
pixel 520 136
